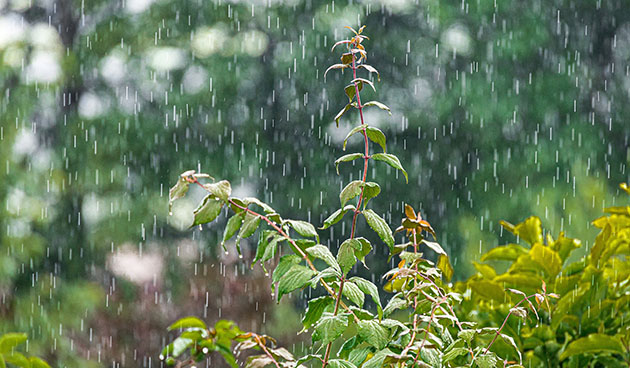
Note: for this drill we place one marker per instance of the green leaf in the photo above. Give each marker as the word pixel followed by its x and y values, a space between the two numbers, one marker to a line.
pixel 488 360
pixel 303 228
pixel 354 294
pixel 285 263
pixel 336 66
pixel 322 252
pixel 340 363
pixel 250 224
pixel 340 113
pixel 488 289
pixel 9 341
pixel 356 129
pixel 377 136
pixel 529 230
pixel 373 333
pixel 232 226
pixel 380 105
pixel 330 327
pixel 377 360
pixel 346 158
pixel 370 190
pixel 36 363
pixel 351 90
pixel 394 304
pixel 436 247
pixel 363 80
pixel 370 69
pixel 358 356
pixel 352 190
pixel 380 227
pixel 17 359
pixel 3 364
pixel 336 216
pixel 370 289
pixel 392 161
pixel 221 190
pixel 316 308
pixel 177 191
pixel 187 322
pixel 366 248
pixel 346 254
pixel 508 252
pixel 177 347
pixel 444 264
pixel 547 258
pixel 295 278
pixel 208 210
pixel 266 249
pixel 593 344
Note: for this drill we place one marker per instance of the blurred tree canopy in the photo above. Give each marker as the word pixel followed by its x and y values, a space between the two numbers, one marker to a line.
pixel 501 109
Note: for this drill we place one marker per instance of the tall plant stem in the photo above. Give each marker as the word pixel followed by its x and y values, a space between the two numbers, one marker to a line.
pixel 366 157
pixel 301 253
pixel 415 305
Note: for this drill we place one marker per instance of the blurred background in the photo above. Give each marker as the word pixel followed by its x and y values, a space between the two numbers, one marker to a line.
pixel 501 109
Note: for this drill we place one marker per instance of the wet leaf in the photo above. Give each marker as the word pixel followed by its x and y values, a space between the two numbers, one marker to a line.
pixel 340 363
pixel 303 228
pixel 37 363
pixel 178 191
pixel 353 293
pixel 593 344
pixel 346 158
pixel 221 190
pixel 296 277
pixel 380 105
pixel 370 289
pixel 350 191
pixel 329 328
pixel 336 216
pixel 444 264
pixel 371 69
pixel 341 112
pixel 547 258
pixel 232 226
pixel 322 252
pixel 392 161
pixel 346 254
pixel 208 210
pixel 187 322
pixel 380 227
pixel 508 252
pixel 363 80
pixel 316 308
pixel 336 66
pixel 11 340
pixel 373 333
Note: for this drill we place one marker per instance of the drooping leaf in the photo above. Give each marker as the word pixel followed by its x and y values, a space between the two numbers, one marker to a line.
pixel 352 190
pixel 178 191
pixel 37 363
pixel 436 247
pixel 322 252
pixel 303 228
pixel 380 105
pixel 285 263
pixel 187 322
pixel 346 158
pixel 295 278
pixel 341 112
pixel 232 226
pixel 366 248
pixel 316 308
pixel 177 347
pixel 208 210
pixel 335 66
pixel 593 344
pixel 444 264
pixel 370 190
pixel 394 304
pixel 351 90
pixel 330 327
pixel 353 293
pixel 370 289
pixel 267 244
pixel 373 333
pixel 17 359
pixel 529 230
pixel 392 161
pixel 363 80
pixel 352 132
pixel 377 136
pixel 371 69
pixel 380 227
pixel 487 360
pixel 340 363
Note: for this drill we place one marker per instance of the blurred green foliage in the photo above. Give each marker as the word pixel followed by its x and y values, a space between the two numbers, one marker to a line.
pixel 502 109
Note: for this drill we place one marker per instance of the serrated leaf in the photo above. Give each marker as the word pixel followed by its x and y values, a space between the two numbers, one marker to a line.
pixel 208 210
pixel 392 161
pixel 380 105
pixel 380 227
pixel 303 228
pixel 370 289
pixel 266 248
pixel 221 190
pixel 250 224
pixel 488 360
pixel 329 328
pixel 394 304
pixel 285 263
pixel 370 190
pixel 341 112
pixel 593 344
pixel 376 361
pixel 353 293
pixel 373 333
pixel 346 254
pixel 295 278
pixel 346 158
pixel 352 190
pixel 316 308
pixel 322 252
pixel 9 341
pixel 366 248
pixel 187 322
